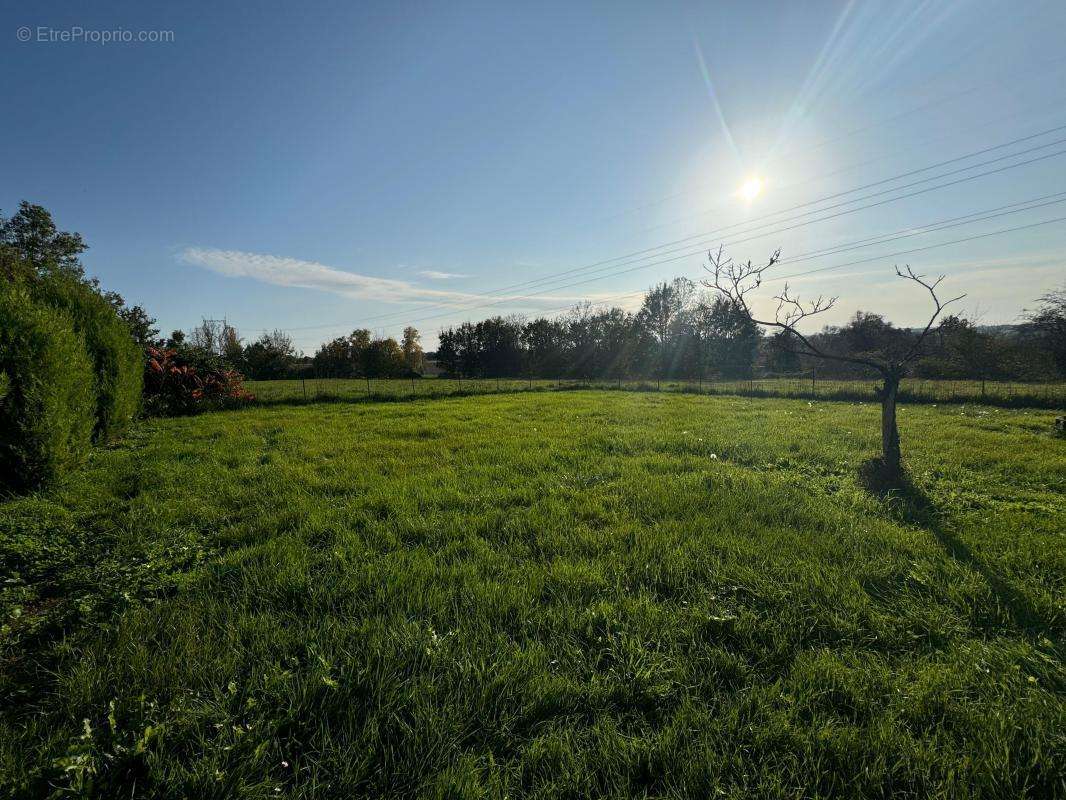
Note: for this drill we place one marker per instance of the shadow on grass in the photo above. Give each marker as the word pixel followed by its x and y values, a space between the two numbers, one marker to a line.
pixel 908 502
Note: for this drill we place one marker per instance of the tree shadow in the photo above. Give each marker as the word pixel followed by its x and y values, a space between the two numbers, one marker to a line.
pixel 910 504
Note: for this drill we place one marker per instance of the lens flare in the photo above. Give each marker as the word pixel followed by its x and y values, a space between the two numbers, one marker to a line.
pixel 751 188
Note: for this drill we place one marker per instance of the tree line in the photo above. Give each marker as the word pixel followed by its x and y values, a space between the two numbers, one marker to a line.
pixel 681 333
pixel 682 330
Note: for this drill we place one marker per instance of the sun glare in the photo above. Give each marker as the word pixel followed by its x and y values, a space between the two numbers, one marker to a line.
pixel 751 188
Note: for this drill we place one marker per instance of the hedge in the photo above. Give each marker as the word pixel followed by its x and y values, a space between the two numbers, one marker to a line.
pixel 47 409
pixel 117 359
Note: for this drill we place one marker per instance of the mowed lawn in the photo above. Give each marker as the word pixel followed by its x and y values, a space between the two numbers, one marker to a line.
pixel 575 594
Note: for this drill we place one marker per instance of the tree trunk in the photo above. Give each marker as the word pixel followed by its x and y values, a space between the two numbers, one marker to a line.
pixel 889 430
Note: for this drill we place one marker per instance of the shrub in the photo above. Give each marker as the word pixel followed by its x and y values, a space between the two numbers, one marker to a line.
pixel 117 358
pixel 174 385
pixel 46 408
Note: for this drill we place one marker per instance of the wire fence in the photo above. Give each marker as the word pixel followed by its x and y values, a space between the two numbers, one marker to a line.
pixel 994 393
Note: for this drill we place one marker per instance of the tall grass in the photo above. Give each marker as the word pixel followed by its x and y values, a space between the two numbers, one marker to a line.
pixel 542 595
pixel 1001 394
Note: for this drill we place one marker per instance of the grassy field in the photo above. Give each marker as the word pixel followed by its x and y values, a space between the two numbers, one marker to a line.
pixel 1030 395
pixel 572 594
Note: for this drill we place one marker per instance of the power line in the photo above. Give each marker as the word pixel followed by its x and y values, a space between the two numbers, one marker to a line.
pixel 651 252
pixel 869 241
pixel 887 255
pixel 918 249
pixel 699 250
pixel 856 262
pixel 865 260
pixel 903 233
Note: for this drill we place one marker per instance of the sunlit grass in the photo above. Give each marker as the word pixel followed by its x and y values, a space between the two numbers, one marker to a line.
pixel 542 594
pixel 1040 395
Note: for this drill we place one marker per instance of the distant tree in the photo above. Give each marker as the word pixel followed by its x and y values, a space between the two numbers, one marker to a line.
pixel 871 334
pixel 468 350
pixel 359 352
pixel 230 347
pixel 447 352
pixel 270 357
pixel 736 282
pixel 730 340
pixel 966 351
pixel 218 338
pixel 1047 324
pixel 413 356
pixel 334 359
pixel 544 341
pixel 781 357
pixel 616 344
pixel 662 319
pixel 205 336
pixel 499 344
pixel 383 358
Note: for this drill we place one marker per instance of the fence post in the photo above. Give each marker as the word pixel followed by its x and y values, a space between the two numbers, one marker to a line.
pixel 303 385
pixel 368 386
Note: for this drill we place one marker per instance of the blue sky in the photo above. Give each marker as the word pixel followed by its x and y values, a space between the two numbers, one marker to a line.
pixel 321 167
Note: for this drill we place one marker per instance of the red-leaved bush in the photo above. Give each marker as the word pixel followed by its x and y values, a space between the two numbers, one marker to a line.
pixel 172 386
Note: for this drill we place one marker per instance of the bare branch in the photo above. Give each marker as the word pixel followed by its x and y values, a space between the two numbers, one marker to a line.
pixel 915 349
pixel 736 281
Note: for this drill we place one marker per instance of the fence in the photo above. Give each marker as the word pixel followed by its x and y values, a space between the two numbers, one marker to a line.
pixel 1032 395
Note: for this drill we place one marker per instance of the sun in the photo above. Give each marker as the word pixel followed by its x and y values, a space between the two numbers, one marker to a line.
pixel 751 188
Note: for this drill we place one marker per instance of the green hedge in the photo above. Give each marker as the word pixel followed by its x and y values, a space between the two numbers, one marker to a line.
pixel 117 359
pixel 47 411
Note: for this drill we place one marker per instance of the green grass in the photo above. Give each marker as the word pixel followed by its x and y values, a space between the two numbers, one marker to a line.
pixel 1011 395
pixel 571 594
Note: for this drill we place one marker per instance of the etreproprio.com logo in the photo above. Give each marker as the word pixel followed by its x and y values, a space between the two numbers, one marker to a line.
pixel 76 34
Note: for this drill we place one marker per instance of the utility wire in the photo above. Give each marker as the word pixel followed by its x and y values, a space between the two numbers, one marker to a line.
pixel 886 255
pixel 640 255
pixel 651 251
pixel 851 263
pixel 688 253
pixel 966 219
pixel 917 249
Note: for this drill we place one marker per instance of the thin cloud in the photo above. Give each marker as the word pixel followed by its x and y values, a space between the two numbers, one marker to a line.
pixel 283 271
pixel 296 273
pixel 437 275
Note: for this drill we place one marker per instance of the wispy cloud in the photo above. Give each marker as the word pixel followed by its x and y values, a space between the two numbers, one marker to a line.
pixel 284 271
pixel 294 272
pixel 437 275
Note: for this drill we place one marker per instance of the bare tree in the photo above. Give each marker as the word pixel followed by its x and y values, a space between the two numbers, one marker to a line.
pixel 736 282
